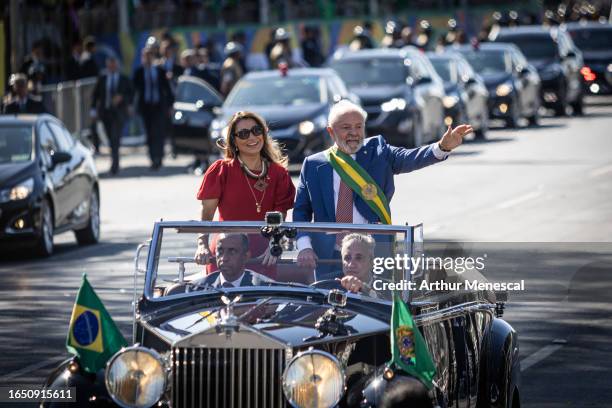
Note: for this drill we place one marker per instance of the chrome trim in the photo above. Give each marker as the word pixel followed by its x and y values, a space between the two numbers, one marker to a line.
pixel 138 348
pixel 308 352
pixel 454 311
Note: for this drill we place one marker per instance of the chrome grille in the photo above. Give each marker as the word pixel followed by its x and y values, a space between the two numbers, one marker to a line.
pixel 232 378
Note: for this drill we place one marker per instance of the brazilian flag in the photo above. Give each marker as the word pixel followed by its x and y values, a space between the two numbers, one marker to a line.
pixel 409 350
pixel 93 336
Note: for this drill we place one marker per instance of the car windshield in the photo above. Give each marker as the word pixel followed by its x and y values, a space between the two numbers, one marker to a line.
pixel 445 68
pixel 372 71
pixel 192 92
pixel 489 61
pixel 593 40
pixel 537 47
pixel 279 90
pixel 237 250
pixel 15 144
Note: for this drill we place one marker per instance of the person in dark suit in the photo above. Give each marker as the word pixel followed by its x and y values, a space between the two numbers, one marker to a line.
pixel 327 193
pixel 154 103
pixel 111 99
pixel 73 64
pixel 232 253
pixel 22 102
pixel 89 66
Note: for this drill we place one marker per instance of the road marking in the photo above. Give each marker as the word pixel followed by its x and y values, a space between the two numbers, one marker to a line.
pixel 600 171
pixel 33 367
pixel 539 355
pixel 518 200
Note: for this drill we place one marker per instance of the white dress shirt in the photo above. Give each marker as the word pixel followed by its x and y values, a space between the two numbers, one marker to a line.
pixel 304 242
pixel 235 283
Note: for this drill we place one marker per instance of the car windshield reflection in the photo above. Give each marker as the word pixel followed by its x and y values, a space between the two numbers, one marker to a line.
pixel 15 144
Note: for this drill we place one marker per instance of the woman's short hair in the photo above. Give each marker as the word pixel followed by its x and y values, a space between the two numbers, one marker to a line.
pixel 271 150
pixel 364 239
pixel 343 107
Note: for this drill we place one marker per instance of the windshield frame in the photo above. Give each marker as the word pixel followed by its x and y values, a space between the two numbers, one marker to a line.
pixel 575 35
pixel 33 138
pixel 412 237
pixel 505 53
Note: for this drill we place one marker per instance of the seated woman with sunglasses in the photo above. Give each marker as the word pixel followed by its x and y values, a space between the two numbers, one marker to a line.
pixel 250 180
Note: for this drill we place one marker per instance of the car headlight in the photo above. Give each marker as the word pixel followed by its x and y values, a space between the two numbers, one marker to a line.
pixel 503 90
pixel 19 192
pixel 394 104
pixel 314 379
pixel 309 126
pixel 135 377
pixel 449 101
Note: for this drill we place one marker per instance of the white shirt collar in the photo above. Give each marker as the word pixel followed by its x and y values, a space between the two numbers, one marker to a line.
pixel 235 283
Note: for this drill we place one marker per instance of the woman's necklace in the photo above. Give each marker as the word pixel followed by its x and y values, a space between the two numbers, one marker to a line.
pixel 257 203
pixel 260 184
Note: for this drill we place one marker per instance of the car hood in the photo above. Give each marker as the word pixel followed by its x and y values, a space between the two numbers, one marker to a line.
pixel 15 172
pixel 493 80
pixel 375 95
pixel 279 116
pixel 597 57
pixel 541 64
pixel 281 323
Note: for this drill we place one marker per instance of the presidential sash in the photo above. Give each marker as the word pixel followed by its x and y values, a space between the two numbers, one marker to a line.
pixel 360 182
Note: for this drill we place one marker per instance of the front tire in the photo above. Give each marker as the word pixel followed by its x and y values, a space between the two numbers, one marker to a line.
pixel 578 106
pixel 91 233
pixel 417 132
pixel 513 121
pixel 44 244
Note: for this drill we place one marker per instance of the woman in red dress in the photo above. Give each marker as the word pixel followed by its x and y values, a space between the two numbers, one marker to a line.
pixel 250 180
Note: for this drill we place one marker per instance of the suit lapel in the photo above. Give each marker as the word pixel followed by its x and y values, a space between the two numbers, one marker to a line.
pixel 247 279
pixel 326 181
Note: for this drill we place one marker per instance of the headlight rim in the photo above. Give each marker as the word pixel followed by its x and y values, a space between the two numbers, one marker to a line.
pixel 150 351
pixel 333 358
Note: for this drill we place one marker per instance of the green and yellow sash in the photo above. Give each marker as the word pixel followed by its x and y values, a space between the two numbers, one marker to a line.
pixel 360 182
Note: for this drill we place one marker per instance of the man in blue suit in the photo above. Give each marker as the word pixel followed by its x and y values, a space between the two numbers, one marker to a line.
pixel 325 194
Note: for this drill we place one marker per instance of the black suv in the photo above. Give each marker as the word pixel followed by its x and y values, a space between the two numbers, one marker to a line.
pixel 557 60
pixel 399 89
pixel 595 42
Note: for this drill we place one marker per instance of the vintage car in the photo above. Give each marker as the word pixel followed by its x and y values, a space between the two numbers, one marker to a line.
pixel 291 341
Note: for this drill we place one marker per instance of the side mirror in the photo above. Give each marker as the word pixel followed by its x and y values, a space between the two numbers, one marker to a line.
pixel 424 80
pixel 571 54
pixel 470 81
pixel 60 157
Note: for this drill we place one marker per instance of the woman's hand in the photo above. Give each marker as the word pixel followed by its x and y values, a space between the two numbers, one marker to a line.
pixel 202 255
pixel 267 259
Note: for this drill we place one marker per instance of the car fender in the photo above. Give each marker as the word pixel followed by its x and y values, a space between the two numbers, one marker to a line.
pixel 90 388
pixel 501 367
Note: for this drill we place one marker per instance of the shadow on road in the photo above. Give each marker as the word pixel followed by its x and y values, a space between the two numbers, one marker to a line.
pixel 61 250
pixel 143 171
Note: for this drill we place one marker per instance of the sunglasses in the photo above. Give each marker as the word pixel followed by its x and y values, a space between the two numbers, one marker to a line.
pixel 244 134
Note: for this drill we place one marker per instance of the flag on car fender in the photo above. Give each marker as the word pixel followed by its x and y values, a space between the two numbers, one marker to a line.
pixel 92 336
pixel 409 351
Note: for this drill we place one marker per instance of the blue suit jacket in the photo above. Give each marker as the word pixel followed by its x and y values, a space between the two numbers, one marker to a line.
pixel 315 193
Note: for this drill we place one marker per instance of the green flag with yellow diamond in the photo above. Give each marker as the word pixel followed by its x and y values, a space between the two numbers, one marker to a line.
pixel 93 336
pixel 408 348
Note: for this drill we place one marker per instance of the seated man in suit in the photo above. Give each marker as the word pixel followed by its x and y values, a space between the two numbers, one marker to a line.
pixel 232 253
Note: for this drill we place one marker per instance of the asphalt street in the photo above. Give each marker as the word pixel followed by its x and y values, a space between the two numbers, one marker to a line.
pixel 537 201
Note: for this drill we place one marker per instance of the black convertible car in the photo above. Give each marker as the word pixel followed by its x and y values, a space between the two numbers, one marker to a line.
pixel 201 342
pixel 48 184
pixel 400 91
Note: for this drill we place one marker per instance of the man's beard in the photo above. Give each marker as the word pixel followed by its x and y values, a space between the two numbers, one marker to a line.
pixel 346 148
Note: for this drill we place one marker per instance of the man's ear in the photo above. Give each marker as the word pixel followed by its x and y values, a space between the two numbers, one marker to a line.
pixel 331 133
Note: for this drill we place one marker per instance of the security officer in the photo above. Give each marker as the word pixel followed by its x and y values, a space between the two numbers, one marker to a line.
pixel 22 102
pixel 231 70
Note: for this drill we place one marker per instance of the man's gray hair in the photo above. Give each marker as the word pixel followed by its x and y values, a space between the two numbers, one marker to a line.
pixel 342 107
pixel 365 239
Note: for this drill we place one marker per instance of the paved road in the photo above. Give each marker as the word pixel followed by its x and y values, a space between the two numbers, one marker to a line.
pixel 538 201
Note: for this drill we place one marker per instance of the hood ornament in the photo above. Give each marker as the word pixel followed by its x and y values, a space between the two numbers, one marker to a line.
pixel 228 323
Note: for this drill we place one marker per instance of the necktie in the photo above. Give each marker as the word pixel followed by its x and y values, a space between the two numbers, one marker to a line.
pixel 344 208
pixel 227 285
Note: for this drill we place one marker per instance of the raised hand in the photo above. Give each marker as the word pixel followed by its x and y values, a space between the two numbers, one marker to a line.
pixel 454 137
